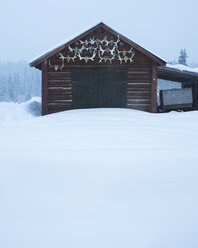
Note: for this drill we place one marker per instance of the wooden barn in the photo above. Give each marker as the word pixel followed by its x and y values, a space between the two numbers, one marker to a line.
pixel 97 69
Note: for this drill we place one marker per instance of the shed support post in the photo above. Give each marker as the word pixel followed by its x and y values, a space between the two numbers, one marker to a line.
pixel 154 88
pixel 196 95
pixel 44 89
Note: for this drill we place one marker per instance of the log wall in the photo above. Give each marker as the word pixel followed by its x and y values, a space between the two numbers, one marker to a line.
pixel 141 81
pixel 59 91
pixel 139 88
pixel 138 95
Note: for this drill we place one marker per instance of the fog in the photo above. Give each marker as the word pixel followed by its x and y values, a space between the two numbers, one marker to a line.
pixel 163 27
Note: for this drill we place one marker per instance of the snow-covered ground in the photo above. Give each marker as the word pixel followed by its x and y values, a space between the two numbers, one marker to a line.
pixel 11 112
pixel 102 178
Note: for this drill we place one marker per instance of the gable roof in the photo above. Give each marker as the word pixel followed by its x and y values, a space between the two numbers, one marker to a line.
pixel 37 61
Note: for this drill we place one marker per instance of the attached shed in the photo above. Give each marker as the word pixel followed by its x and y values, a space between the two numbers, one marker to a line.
pixel 188 79
pixel 98 68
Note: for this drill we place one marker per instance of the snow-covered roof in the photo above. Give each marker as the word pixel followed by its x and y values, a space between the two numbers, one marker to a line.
pixel 182 67
pixel 68 39
pixel 93 25
pixel 178 73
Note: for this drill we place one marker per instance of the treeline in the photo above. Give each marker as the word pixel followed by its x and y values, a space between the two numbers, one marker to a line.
pixel 18 82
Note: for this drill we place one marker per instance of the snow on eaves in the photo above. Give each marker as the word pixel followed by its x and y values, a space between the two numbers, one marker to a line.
pixel 182 68
pixel 73 36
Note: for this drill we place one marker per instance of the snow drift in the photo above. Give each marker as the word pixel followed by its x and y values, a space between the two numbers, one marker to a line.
pixel 10 111
pixel 100 178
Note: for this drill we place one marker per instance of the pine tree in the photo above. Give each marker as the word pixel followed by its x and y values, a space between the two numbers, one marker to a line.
pixel 182 57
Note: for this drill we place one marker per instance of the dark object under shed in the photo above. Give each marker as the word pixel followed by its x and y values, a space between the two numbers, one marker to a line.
pixel 176 99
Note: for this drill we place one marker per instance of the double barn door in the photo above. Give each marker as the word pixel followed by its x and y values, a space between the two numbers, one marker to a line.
pixel 98 88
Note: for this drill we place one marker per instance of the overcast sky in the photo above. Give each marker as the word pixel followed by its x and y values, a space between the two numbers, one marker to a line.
pixel 163 27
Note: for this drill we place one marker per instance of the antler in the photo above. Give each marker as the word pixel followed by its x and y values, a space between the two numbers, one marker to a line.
pixel 110 59
pixel 119 57
pixel 71 49
pixel 116 42
pixel 131 58
pixel 102 50
pixel 62 57
pixel 56 67
pixel 112 50
pixel 105 58
pixel 92 41
pixel 86 58
pixel 99 47
pixel 86 42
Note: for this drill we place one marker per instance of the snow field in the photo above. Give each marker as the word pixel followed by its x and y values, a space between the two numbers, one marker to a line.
pixel 99 178
pixel 11 112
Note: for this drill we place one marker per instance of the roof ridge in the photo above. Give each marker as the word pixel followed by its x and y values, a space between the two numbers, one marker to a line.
pixel 45 55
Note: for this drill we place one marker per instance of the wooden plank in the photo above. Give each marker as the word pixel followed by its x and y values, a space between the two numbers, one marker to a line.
pixel 57 74
pixel 140 80
pixel 138 101
pixel 60 93
pixel 138 73
pixel 138 107
pixel 59 88
pixel 60 103
pixel 44 88
pixel 136 98
pixel 138 83
pixel 137 76
pixel 139 92
pixel 54 73
pixel 56 108
pixel 154 88
pixel 59 84
pixel 139 95
pixel 50 102
pixel 134 84
pixel 60 97
pixel 140 70
pixel 138 89
pixel 59 107
pixel 145 107
pixel 129 98
pixel 135 90
pixel 52 111
pixel 61 81
pixel 60 75
pixel 139 86
pixel 142 67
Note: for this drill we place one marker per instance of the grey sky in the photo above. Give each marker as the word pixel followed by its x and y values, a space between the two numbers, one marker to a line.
pixel 163 27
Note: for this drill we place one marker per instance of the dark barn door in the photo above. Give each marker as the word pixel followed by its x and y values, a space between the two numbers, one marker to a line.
pixel 98 88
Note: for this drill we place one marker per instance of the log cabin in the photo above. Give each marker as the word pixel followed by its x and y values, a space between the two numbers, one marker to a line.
pixel 99 68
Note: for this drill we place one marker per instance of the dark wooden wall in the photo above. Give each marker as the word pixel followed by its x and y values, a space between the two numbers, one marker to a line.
pixel 141 81
pixel 59 91
pixel 139 87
